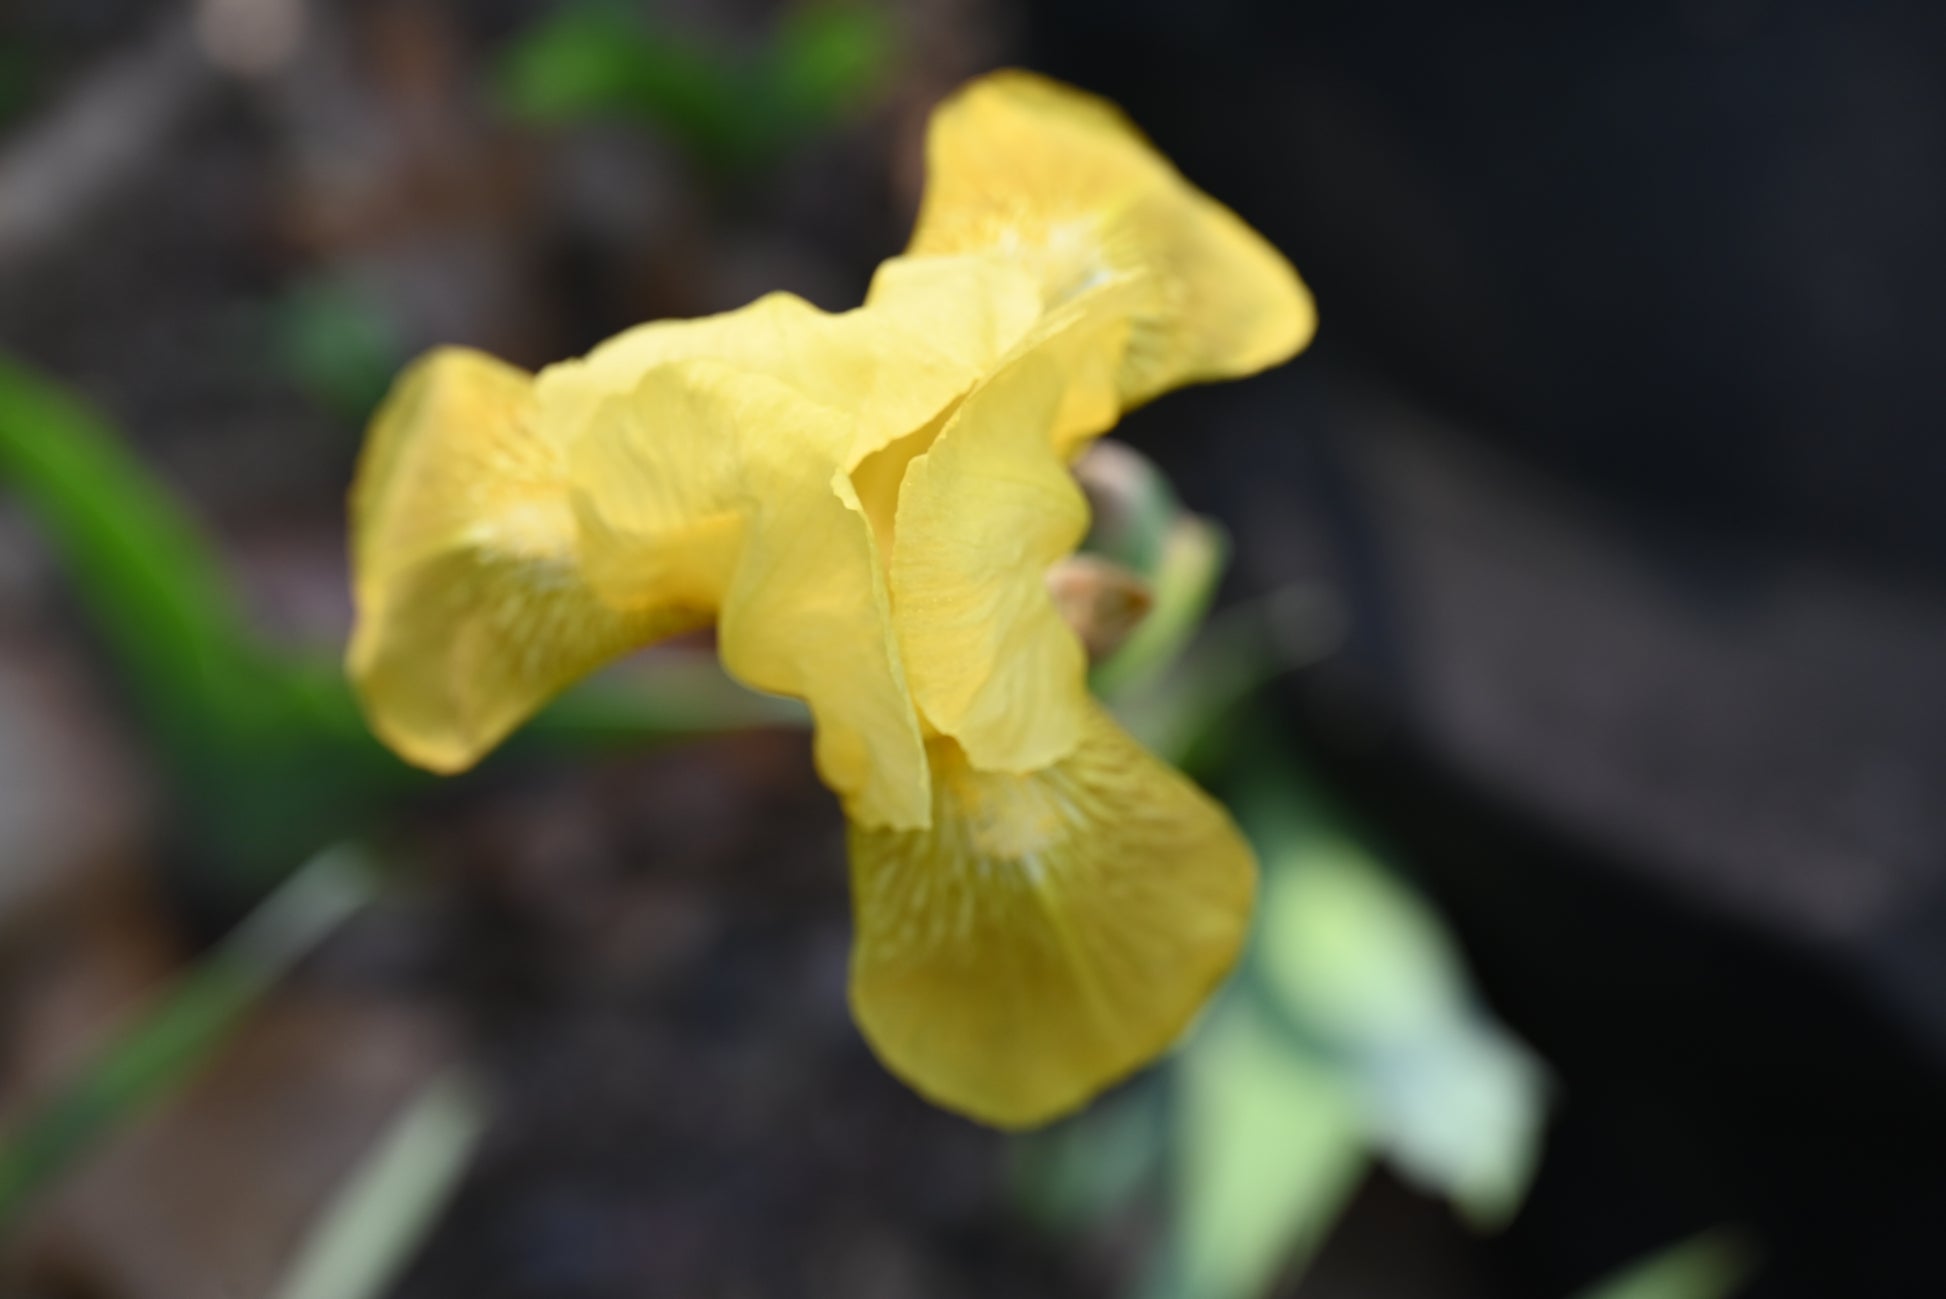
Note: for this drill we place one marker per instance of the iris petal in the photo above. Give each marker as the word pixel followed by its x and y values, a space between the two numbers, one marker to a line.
pixel 983 515
pixel 1064 183
pixel 928 334
pixel 713 487
pixel 1051 933
pixel 472 608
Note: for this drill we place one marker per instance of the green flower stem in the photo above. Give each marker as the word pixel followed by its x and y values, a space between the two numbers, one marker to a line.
pixel 1194 552
pixel 672 696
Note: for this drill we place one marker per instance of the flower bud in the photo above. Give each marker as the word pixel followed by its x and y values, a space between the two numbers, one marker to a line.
pixel 1130 502
pixel 1101 600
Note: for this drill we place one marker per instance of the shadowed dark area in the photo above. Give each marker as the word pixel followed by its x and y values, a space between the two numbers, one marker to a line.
pixel 1620 443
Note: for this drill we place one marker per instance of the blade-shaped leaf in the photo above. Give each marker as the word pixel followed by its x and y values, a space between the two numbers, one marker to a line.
pixel 1713 1265
pixel 166 1044
pixel 379 1218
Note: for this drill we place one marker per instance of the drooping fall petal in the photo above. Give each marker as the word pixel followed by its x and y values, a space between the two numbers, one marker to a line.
pixel 1050 933
pixel 472 607
pixel 1063 183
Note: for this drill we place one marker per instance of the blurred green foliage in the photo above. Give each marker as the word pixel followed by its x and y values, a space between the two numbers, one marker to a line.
pixel 730 108
pixel 1348 1034
pixel 1187 563
pixel 165 1044
pixel 266 754
pixel 267 758
pixel 1367 980
pixel 1713 1265
pixel 389 1203
pixel 1270 1150
pixel 337 346
pixel 18 79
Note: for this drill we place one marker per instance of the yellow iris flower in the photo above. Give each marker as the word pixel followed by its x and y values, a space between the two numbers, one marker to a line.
pixel 866 505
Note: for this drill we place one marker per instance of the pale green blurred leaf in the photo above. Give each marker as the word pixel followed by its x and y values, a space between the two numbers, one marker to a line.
pixel 1352 952
pixel 1269 1148
pixel 1713 1265
pixel 389 1203
pixel 1353 956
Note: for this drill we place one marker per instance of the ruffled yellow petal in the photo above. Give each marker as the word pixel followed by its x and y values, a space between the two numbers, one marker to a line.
pixel 968 311
pixel 471 607
pixel 930 331
pixel 778 335
pixel 931 328
pixel 656 484
pixel 1060 181
pixel 807 615
pixel 983 515
pixel 1051 933
pixel 470 644
pixel 712 487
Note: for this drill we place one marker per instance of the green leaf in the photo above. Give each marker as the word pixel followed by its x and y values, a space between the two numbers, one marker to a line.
pixel 268 755
pixel 185 1028
pixel 728 107
pixel 1186 715
pixel 667 696
pixel 1713 1265
pixel 148 578
pixel 826 61
pixel 267 763
pixel 1081 1172
pixel 1194 554
pixel 337 346
pixel 18 77
pixel 595 60
pixel 1269 1147
pixel 1367 970
pixel 385 1209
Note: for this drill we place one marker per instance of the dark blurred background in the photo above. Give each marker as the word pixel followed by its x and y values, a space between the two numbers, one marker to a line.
pixel 1617 457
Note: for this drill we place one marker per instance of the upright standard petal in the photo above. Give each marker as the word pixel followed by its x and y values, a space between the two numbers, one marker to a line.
pixel 1063 183
pixel 983 516
pixel 717 487
pixel 1051 933
pixel 471 608
pixel 931 330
